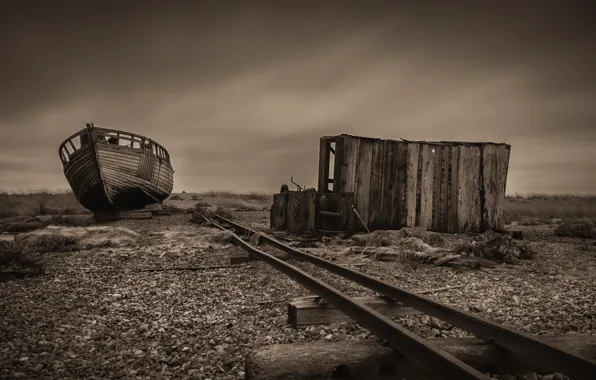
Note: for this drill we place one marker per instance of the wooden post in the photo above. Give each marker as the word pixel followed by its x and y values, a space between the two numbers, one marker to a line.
pixel 310 312
pixel 323 165
pixel 297 214
pixel 338 165
pixel 368 359
pixel 311 204
pixel 278 212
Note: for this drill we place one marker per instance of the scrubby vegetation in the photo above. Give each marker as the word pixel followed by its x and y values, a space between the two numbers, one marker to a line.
pixel 43 202
pixel 39 203
pixel 14 263
pixel 25 224
pixel 496 247
pixel 228 200
pixel 580 228
pixel 543 208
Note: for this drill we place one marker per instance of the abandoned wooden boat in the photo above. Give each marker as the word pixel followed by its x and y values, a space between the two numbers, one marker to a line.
pixel 111 170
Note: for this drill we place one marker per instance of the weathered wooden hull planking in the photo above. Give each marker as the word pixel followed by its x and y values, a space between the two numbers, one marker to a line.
pixel 106 176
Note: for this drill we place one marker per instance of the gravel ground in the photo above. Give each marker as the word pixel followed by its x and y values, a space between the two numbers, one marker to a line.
pixel 96 316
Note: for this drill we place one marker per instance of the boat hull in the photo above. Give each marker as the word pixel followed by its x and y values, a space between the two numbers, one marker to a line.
pixel 106 177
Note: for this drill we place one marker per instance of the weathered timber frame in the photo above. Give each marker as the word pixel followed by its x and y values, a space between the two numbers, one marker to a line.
pixel 312 212
pixel 445 186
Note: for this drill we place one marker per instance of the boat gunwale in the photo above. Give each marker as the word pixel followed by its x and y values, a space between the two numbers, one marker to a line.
pixel 110 130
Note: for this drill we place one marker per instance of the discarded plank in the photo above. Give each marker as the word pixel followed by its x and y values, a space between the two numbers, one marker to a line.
pixel 314 312
pixel 119 215
pixel 367 359
pixel 241 259
pixel 437 290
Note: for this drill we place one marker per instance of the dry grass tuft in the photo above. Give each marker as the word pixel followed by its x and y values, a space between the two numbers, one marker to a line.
pixel 26 224
pixel 221 237
pixel 16 264
pixel 222 211
pixel 68 239
pixel 229 200
pixel 496 247
pixel 382 238
pixel 39 203
pixel 580 228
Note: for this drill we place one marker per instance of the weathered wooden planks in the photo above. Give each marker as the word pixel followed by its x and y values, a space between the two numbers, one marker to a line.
pixel 310 312
pixel 502 168
pixel 378 177
pixel 452 219
pixel 351 146
pixel 469 215
pixel 426 186
pixel 363 178
pixel 369 359
pixel 324 157
pixel 297 215
pixel 278 214
pixel 411 183
pixel 439 186
pixel 107 176
pixel 338 165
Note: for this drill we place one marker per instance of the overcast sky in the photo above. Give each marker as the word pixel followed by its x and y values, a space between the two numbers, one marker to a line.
pixel 240 94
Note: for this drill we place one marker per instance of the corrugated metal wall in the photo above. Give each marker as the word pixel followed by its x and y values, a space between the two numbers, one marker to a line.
pixel 451 187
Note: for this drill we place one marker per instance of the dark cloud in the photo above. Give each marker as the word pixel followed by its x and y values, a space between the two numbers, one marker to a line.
pixel 244 90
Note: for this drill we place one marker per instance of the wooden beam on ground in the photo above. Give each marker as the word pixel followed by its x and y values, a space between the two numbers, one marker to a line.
pixel 311 311
pixel 369 359
pixel 241 259
pixel 119 215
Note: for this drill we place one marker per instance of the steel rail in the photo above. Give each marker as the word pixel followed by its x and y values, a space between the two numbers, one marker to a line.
pixel 438 362
pixel 534 349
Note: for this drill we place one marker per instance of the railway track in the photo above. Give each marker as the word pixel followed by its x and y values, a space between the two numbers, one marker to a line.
pixel 410 345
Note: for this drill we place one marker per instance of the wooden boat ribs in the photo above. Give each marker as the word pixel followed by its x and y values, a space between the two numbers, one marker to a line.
pixel 113 170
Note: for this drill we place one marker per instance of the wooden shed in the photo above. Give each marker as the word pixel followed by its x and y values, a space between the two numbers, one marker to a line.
pixel 444 186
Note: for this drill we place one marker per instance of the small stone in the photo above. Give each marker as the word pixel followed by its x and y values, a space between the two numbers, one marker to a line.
pixel 329 336
pixel 435 332
pixel 19 375
pixel 184 349
pixel 117 295
pixel 139 353
pixel 434 323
